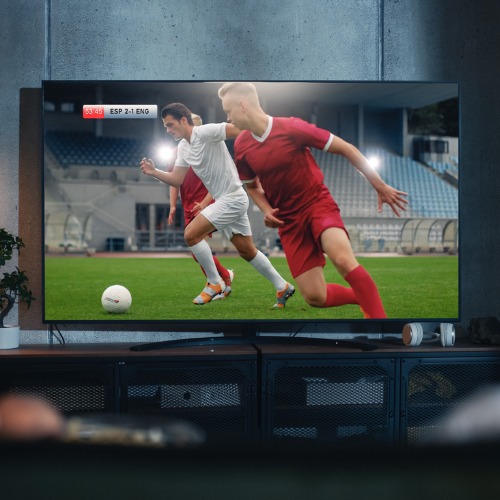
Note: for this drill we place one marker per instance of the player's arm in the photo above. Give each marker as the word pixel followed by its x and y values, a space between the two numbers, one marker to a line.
pixel 255 191
pixel 386 194
pixel 200 205
pixel 231 131
pixel 174 195
pixel 173 178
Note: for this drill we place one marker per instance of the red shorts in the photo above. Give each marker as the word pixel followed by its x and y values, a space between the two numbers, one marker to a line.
pixel 301 234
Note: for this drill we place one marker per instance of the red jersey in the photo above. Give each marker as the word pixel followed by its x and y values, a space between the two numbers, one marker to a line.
pixel 192 191
pixel 283 161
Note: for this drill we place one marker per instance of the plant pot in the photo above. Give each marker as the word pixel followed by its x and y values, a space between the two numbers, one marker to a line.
pixel 9 337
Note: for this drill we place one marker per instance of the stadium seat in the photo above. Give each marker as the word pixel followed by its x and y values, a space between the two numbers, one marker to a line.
pixel 429 195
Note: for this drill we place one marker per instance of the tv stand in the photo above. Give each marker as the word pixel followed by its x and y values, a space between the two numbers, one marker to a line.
pixel 273 391
pixel 363 345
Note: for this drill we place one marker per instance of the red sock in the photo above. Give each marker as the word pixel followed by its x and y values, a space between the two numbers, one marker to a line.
pixel 338 295
pixel 224 273
pixel 366 292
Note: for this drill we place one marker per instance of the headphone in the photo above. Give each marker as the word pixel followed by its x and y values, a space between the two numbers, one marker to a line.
pixel 414 334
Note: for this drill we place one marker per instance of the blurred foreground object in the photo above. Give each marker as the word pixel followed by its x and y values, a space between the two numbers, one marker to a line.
pixel 28 417
pixel 32 418
pixel 475 421
pixel 133 431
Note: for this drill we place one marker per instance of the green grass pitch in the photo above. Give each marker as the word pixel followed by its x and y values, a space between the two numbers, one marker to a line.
pixel 163 289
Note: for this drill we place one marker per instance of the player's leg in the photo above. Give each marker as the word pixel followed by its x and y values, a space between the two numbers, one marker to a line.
pixel 318 293
pixel 335 243
pixel 306 260
pixel 247 249
pixel 194 234
pixel 337 246
pixel 227 275
pixel 201 267
pixel 188 220
pixel 219 216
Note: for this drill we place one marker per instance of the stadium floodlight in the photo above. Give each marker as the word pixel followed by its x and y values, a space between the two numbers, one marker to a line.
pixel 374 162
pixel 165 153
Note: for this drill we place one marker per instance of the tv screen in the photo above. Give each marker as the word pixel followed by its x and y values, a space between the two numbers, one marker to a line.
pixel 107 223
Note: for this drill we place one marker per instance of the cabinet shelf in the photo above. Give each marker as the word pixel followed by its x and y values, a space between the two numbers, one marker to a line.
pixel 260 393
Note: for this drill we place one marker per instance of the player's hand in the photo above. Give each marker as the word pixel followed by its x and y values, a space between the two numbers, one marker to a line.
pixel 270 219
pixel 393 197
pixel 197 208
pixel 171 216
pixel 148 166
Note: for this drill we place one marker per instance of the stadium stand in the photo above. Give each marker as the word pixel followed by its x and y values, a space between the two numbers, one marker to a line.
pixel 442 167
pixel 70 148
pixel 432 194
pixel 429 195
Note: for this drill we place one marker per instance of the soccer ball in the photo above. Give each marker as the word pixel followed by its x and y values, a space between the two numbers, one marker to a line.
pixel 116 299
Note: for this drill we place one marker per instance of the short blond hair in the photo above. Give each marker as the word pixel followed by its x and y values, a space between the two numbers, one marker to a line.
pixel 196 119
pixel 242 89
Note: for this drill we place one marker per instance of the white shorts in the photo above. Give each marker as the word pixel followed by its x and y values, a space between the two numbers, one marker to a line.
pixel 229 214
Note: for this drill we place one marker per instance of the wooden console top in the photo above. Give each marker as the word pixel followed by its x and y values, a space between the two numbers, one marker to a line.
pixel 123 350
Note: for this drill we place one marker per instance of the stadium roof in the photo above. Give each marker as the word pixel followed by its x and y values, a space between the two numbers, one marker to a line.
pixel 373 94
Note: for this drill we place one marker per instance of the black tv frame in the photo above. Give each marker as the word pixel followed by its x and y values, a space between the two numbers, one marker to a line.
pixel 251 328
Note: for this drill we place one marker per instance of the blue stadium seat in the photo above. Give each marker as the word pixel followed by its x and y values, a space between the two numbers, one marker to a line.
pixel 72 148
pixel 429 195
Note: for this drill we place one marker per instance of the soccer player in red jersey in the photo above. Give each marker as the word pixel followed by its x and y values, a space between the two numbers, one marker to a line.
pixel 194 198
pixel 274 160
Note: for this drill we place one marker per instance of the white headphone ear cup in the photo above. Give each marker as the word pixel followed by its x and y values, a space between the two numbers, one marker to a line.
pixel 412 334
pixel 447 334
pixel 419 333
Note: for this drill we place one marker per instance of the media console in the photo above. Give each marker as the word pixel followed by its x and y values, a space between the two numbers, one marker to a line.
pixel 261 392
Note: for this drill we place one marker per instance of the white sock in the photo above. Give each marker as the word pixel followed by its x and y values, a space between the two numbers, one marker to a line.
pixel 203 255
pixel 264 266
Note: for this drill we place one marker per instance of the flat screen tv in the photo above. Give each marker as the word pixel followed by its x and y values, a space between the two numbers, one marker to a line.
pixel 106 223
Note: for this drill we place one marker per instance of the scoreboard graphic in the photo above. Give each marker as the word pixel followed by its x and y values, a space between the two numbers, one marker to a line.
pixel 128 111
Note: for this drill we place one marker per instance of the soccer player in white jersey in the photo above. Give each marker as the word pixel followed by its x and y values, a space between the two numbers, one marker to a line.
pixel 203 148
pixel 195 197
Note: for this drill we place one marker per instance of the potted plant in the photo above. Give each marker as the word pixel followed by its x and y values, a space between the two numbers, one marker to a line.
pixel 13 287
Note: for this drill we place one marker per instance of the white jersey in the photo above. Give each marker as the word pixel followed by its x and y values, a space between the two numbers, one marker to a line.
pixel 210 159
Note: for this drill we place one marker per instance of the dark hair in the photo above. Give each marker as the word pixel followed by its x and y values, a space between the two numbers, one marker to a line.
pixel 178 111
